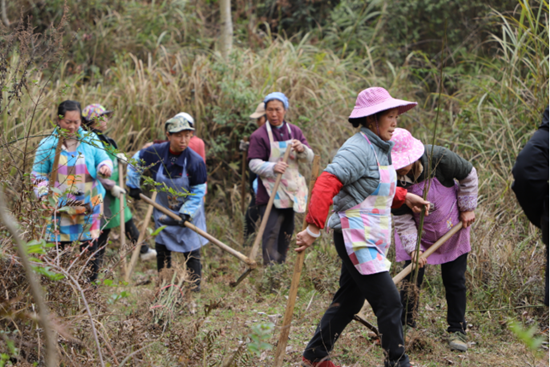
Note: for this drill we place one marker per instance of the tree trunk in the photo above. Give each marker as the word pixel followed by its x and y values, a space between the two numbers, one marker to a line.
pixel 226 39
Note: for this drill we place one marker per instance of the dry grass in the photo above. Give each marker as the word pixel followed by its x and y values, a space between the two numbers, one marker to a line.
pixel 487 114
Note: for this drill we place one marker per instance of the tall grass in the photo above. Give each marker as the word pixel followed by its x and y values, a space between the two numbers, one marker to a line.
pixel 488 111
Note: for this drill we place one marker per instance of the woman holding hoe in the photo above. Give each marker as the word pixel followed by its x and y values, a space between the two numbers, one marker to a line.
pixel 362 181
pixel 453 202
pixel 67 166
pixel 267 147
pixel 181 175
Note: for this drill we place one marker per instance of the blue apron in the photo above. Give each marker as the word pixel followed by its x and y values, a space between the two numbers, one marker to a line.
pixel 176 238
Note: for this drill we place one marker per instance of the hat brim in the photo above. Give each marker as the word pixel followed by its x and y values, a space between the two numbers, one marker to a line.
pixel 403 159
pixel 174 131
pixel 256 115
pixel 401 105
pixel 107 113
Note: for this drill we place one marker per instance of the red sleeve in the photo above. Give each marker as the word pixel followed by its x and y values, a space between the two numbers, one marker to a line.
pixel 325 189
pixel 399 198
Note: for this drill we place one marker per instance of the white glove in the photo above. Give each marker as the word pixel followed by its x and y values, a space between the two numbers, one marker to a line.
pixel 122 158
pixel 243 145
pixel 117 191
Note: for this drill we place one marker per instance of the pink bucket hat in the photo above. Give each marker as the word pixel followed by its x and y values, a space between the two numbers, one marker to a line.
pixel 407 149
pixel 377 99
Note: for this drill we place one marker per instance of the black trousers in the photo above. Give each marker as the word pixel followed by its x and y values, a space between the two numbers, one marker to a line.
pixel 88 248
pixel 454 281
pixel 382 295
pixel 277 235
pixel 250 219
pixel 544 226
pixel 192 258
pixel 132 234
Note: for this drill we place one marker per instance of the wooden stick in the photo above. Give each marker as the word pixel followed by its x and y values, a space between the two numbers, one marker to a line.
pixel 260 232
pixel 142 235
pixel 298 265
pixel 122 199
pixel 399 277
pixel 243 180
pixel 55 167
pixel 251 263
pixel 403 273
pixel 53 174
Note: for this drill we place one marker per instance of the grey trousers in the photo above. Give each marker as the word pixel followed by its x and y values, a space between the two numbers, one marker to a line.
pixel 277 235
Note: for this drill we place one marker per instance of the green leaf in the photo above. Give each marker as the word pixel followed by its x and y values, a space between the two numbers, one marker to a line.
pixel 46 272
pixel 56 190
pixel 157 231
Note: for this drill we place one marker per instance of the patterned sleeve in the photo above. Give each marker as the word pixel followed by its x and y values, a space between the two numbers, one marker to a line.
pixel 101 157
pixel 42 168
pixel 467 192
pixel 406 229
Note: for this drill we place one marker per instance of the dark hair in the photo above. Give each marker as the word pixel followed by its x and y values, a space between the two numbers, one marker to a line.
pixel 363 120
pixel 358 121
pixel 67 106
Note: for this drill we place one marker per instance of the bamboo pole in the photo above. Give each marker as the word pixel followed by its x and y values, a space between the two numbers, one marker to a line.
pixel 243 180
pixel 298 265
pixel 251 263
pixel 265 217
pixel 399 277
pixel 403 273
pixel 122 200
pixel 55 167
pixel 142 234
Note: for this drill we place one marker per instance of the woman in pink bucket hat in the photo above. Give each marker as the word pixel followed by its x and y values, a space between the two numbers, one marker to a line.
pixel 453 194
pixel 361 183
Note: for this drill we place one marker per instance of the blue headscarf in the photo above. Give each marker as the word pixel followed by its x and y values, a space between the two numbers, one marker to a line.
pixel 278 96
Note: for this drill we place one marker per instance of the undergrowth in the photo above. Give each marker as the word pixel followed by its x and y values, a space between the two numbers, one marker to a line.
pixel 490 105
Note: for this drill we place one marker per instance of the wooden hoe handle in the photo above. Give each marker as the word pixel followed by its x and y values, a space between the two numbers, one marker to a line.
pixel 122 200
pixel 399 277
pixel 298 265
pixel 251 263
pixel 139 242
pixel 265 217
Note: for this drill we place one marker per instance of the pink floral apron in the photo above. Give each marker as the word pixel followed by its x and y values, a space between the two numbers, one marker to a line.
pixel 444 217
pixel 292 192
pixel 367 226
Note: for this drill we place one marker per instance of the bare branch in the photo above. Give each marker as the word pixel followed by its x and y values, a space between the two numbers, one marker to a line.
pixel 50 336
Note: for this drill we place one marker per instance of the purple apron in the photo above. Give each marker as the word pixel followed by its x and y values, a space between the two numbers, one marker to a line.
pixel 445 216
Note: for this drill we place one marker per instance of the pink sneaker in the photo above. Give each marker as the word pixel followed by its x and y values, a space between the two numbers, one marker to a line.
pixel 308 363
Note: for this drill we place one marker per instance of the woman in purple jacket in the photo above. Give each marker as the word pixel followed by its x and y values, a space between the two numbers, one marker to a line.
pixel 267 148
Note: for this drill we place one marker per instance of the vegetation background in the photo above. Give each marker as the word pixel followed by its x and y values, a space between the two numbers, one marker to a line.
pixel 478 68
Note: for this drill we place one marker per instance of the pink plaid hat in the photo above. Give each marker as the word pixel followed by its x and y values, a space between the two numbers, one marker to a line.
pixel 407 149
pixel 377 99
